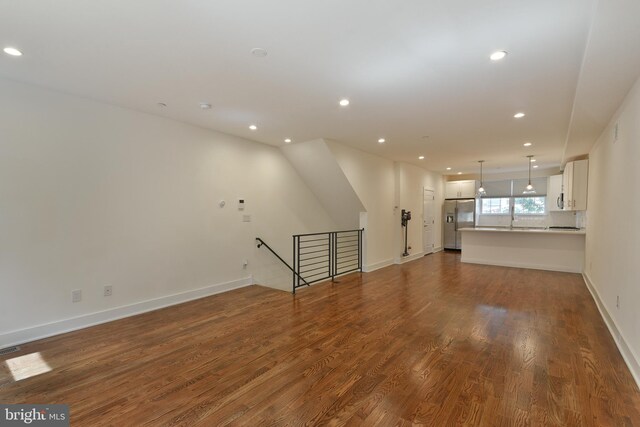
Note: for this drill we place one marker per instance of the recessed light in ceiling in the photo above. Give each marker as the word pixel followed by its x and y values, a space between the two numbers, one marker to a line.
pixel 259 52
pixel 533 160
pixel 253 127
pixel 205 106
pixel 498 55
pixel 382 141
pixel 448 169
pixel 420 157
pixel 12 51
pixel 344 102
pixel 288 140
pixel 459 173
pixel 535 166
pixel 162 105
pixel 527 144
pixel 518 115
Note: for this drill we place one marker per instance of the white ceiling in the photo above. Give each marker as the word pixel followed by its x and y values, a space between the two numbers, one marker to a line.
pixel 411 69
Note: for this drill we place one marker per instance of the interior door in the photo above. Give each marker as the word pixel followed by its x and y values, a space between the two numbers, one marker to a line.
pixel 428 221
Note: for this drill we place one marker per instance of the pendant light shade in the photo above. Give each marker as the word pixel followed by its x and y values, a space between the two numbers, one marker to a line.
pixel 529 188
pixel 481 190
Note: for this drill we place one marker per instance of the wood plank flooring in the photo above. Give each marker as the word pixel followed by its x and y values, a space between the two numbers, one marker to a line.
pixel 432 342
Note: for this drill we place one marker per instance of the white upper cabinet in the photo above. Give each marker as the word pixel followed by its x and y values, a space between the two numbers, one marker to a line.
pixel 554 193
pixel 460 189
pixel 574 185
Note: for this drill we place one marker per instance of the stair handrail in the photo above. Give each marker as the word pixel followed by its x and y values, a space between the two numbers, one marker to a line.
pixel 262 243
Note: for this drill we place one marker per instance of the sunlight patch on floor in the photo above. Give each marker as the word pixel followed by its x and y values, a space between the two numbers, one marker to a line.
pixel 27 366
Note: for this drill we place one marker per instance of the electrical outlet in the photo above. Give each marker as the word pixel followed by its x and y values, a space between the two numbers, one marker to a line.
pixel 245 263
pixel 76 296
pixel 618 301
pixel 246 218
pixel 108 290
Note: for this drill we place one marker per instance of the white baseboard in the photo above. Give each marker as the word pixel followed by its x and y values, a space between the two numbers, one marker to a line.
pixel 411 257
pixel 438 249
pixel 378 265
pixel 561 268
pixel 33 333
pixel 632 361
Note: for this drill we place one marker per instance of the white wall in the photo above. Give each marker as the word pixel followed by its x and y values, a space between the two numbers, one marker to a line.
pixel 613 230
pixel 372 179
pixel 411 181
pixel 92 194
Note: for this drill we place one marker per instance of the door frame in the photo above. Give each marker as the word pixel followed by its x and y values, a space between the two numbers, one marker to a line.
pixel 433 224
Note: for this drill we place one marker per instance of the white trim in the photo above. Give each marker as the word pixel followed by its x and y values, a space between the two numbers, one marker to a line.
pixel 438 249
pixel 411 257
pixel 378 265
pixel 33 333
pixel 547 267
pixel 632 361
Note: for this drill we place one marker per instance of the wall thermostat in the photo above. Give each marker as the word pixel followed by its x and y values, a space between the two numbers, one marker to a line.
pixel 241 204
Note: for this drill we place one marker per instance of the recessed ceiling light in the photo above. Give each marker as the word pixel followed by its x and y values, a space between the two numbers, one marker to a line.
pixel 498 55
pixel 448 169
pixel 12 51
pixel 535 166
pixel 259 52
pixel 459 173
pixel 288 140
pixel 382 141
pixel 420 157
pixel 518 115
pixel 527 144
pixel 344 102
pixel 533 160
pixel 162 104
pixel 253 127
pixel 205 106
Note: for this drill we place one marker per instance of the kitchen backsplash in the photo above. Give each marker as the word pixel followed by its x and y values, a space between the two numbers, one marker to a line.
pixel 552 219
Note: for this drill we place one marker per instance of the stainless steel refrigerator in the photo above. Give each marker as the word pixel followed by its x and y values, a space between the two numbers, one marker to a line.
pixel 457 214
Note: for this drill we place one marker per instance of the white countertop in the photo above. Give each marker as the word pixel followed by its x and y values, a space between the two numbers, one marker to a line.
pixel 525 230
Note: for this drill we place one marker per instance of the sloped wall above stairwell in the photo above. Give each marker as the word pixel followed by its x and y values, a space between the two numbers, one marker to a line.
pixel 319 169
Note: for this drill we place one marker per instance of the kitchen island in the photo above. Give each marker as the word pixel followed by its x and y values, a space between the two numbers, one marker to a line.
pixel 537 248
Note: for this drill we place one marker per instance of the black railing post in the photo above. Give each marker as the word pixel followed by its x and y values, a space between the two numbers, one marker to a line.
pixel 298 257
pixel 294 265
pixel 332 255
pixel 360 249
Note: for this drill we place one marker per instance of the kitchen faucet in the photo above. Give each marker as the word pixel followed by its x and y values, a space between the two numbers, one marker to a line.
pixel 513 215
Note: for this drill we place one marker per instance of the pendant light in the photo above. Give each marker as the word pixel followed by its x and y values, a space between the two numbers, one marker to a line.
pixel 481 190
pixel 529 189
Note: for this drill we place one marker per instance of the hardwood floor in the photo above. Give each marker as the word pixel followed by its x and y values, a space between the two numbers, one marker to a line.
pixel 432 342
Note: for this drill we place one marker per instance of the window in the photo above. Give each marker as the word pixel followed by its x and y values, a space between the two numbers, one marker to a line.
pixel 522 205
pixel 495 206
pixel 529 205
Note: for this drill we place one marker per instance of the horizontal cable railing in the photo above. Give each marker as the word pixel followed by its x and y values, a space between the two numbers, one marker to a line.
pixel 320 256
